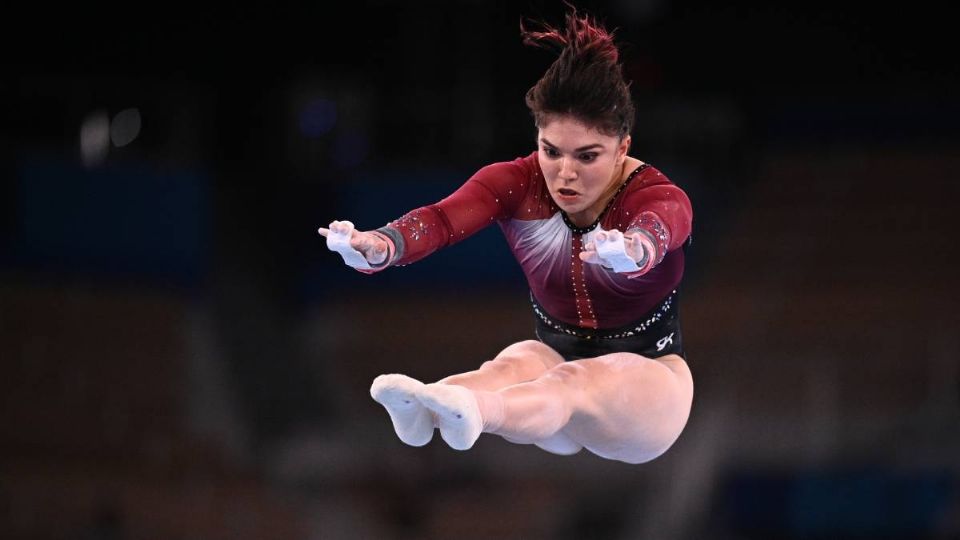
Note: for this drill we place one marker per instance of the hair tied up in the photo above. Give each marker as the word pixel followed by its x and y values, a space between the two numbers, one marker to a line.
pixel 586 80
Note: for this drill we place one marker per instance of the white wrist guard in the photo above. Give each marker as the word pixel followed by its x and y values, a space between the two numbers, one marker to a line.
pixel 340 242
pixel 614 254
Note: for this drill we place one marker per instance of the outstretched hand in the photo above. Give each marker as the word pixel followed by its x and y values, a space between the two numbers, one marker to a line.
pixel 633 247
pixel 371 246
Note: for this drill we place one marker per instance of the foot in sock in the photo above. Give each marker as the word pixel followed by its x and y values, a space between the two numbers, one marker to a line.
pixel 457 412
pixel 398 394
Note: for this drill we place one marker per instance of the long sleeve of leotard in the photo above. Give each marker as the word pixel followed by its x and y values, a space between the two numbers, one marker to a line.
pixel 662 213
pixel 489 195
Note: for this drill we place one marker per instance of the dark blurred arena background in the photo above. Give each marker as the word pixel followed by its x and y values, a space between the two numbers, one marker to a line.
pixel 182 358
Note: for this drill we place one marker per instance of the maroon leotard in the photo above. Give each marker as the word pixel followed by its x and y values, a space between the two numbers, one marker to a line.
pixel 547 246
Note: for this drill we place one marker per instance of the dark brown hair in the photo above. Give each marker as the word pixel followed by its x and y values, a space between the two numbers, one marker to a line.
pixel 586 81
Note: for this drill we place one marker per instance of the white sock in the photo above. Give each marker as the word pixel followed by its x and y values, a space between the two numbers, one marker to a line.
pixel 457 412
pixel 398 394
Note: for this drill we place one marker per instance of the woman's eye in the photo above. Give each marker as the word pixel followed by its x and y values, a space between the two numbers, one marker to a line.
pixel 590 156
pixel 552 152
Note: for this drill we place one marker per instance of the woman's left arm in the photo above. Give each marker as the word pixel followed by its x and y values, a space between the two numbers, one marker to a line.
pixel 660 220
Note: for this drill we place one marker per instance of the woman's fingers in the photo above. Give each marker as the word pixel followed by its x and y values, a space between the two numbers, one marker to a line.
pixel 589 254
pixel 633 246
pixel 590 257
pixel 335 227
pixel 372 247
pixel 339 227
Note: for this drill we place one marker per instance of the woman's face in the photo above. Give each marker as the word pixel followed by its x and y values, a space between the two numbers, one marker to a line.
pixel 581 166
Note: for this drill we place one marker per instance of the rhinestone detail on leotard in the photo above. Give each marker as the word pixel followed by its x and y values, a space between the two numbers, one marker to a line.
pixel 661 311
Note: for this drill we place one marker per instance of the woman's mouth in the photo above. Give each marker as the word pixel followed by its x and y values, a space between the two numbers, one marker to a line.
pixel 567 194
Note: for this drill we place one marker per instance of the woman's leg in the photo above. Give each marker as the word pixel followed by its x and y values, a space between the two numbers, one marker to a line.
pixel 520 362
pixel 619 406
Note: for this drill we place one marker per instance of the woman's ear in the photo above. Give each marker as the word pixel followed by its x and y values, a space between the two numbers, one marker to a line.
pixel 622 149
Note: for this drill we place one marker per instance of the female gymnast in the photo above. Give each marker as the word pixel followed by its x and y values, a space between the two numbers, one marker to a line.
pixel 599 236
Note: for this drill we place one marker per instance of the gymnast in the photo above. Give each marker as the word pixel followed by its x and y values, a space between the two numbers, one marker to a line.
pixel 600 236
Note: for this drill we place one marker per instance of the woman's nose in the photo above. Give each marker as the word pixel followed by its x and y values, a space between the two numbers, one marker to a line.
pixel 568 169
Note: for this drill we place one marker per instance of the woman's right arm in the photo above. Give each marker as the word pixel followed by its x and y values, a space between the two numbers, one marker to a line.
pixel 489 195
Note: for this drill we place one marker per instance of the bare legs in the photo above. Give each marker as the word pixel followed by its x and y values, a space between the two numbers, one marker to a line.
pixel 520 362
pixel 620 406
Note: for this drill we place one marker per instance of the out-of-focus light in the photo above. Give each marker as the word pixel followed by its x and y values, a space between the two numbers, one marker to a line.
pixel 125 127
pixel 317 118
pixel 94 138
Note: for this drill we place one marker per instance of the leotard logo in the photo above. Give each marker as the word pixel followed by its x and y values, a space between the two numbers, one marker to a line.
pixel 664 341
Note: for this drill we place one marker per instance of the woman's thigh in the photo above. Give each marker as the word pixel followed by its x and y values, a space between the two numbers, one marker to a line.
pixel 626 406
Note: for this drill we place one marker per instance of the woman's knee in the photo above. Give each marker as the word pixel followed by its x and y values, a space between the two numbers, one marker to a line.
pixel 577 379
pixel 529 352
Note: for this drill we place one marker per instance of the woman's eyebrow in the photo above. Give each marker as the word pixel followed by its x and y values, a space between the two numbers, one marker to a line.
pixel 581 149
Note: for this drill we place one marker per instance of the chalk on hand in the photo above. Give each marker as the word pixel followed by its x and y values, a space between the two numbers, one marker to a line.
pixel 614 253
pixel 340 242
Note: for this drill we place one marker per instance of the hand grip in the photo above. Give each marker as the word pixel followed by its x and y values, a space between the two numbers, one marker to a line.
pixel 340 242
pixel 614 253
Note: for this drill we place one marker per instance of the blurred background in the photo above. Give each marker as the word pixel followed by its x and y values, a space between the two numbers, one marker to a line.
pixel 182 358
